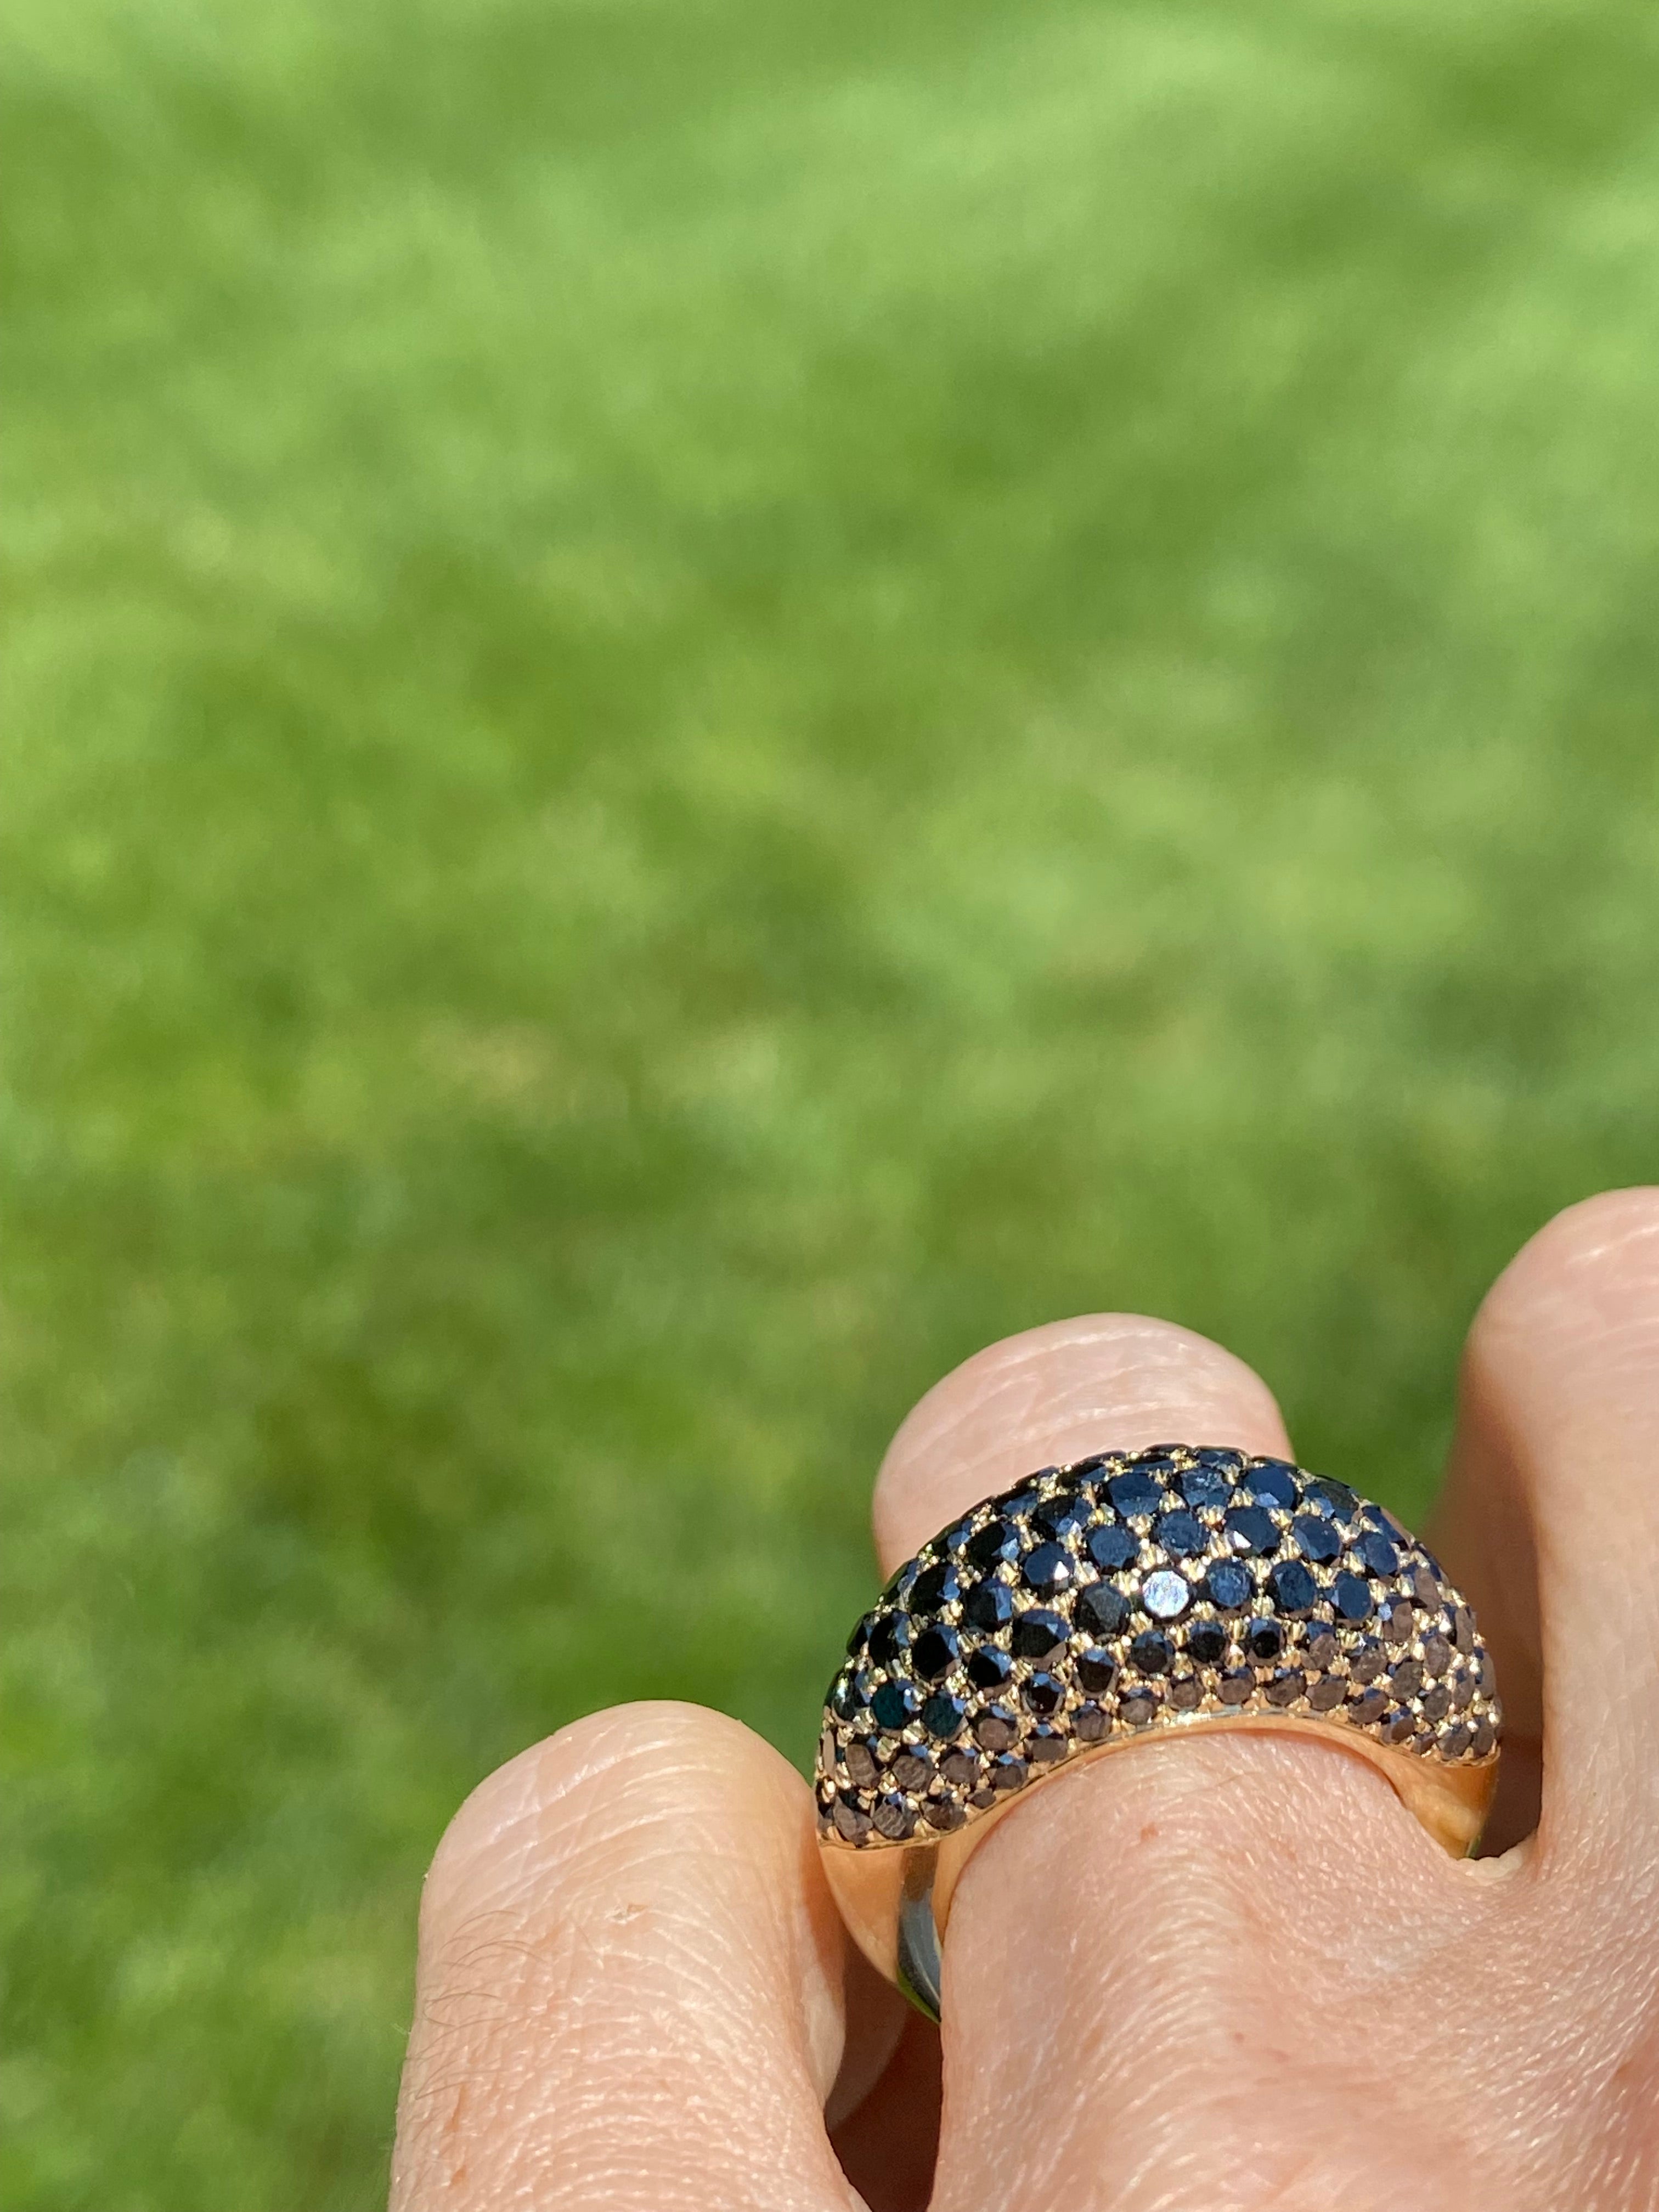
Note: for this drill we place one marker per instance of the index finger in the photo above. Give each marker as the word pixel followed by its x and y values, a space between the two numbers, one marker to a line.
pixel 630 1988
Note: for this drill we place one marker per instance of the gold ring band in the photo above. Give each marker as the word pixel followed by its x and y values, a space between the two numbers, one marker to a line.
pixel 1123 1599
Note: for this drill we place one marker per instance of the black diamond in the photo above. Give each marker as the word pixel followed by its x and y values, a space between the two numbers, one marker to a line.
pixel 1113 1547
pixel 1333 1499
pixel 1089 1724
pixel 1292 1589
pixel 1183 1536
pixel 1102 1611
pixel 1437 1654
pixel 1045 1747
pixel 934 1652
pixel 989 1606
pixel 1152 1652
pixel 894 1703
pixel 1021 1503
pixel 1368 1706
pixel 1250 1529
pixel 1044 1695
pixel 1206 1641
pixel 1138 1707
pixel 861 1636
pixel 1096 1671
pixel 1008 1773
pixel 995 1540
pixel 850 1821
pixel 1286 1687
pixel 1377 1553
pixel 860 1763
pixel 1134 1495
pixel 1203 1488
pixel 1228 1586
pixel 1463 1629
pixel 933 1589
pixel 960 1769
pixel 1485 1739
pixel 1368 1662
pixel 894 1820
pixel 1315 1540
pixel 1397 1620
pixel 1271 1482
pixel 944 1814
pixel 888 1638
pixel 1327 1693
pixel 1220 1460
pixel 1264 1639
pixel 1402 1726
pixel 942 1715
pixel 996 1729
pixel 1038 1636
pixel 989 1669
pixel 1048 1570
pixel 1321 1644
pixel 1351 1597
pixel 1236 1689
pixel 846 1697
pixel 1456 1740
pixel 1425 1591
pixel 1186 1693
pixel 1058 1517
pixel 1436 1702
pixel 1407 1677
pixel 912 1769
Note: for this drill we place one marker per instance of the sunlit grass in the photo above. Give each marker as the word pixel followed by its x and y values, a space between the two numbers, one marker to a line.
pixel 708 701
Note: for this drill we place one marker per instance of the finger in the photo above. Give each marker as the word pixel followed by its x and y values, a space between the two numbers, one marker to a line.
pixel 1551 1519
pixel 1143 1959
pixel 1054 1394
pixel 629 1982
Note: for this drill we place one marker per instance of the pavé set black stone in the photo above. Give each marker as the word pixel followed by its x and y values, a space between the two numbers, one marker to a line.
pixel 1122 1596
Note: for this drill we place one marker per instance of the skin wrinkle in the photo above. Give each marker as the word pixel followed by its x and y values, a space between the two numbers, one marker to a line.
pixel 575 1964
pixel 1167 2007
pixel 574 1940
pixel 535 1803
pixel 588 2109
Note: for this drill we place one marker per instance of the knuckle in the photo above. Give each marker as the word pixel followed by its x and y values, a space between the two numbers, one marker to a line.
pixel 1594 1267
pixel 581 1793
pixel 1613 1237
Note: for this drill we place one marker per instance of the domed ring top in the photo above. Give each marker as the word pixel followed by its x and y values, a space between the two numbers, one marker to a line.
pixel 1129 1592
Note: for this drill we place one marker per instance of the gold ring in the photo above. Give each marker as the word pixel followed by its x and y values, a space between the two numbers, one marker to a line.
pixel 1124 1599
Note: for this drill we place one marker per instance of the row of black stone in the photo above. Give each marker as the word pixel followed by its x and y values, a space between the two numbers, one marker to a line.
pixel 945 1617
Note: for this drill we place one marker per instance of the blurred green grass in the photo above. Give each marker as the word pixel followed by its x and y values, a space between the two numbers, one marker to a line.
pixel 708 701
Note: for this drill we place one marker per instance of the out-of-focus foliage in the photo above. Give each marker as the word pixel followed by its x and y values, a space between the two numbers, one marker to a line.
pixel 707 701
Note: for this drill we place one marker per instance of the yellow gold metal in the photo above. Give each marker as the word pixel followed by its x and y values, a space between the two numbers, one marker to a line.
pixel 896 1901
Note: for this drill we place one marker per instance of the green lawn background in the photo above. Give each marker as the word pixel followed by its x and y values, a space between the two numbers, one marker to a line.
pixel 707 701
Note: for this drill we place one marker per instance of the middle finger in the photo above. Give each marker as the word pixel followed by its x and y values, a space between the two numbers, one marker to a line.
pixel 1157 1969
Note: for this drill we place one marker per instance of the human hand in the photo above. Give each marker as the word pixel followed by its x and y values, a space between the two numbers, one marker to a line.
pixel 1222 1973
